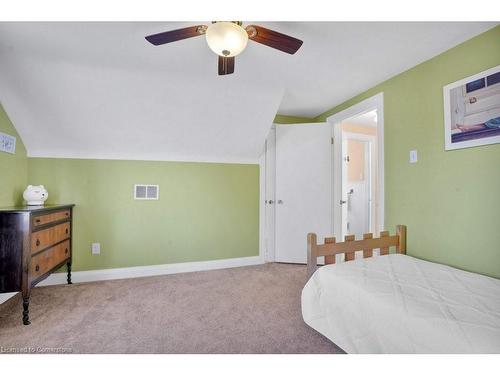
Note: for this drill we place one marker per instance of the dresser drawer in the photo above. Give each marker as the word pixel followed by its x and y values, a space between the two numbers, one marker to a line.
pixel 50 218
pixel 50 236
pixel 43 262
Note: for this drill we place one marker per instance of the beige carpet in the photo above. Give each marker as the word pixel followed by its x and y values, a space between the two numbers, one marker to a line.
pixel 240 310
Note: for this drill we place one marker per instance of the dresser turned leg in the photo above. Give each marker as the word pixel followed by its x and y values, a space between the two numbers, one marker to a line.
pixel 69 272
pixel 26 311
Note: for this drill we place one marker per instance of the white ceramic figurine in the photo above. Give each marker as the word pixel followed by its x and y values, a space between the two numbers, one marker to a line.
pixel 35 195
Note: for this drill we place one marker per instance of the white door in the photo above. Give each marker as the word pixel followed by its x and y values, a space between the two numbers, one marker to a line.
pixel 303 188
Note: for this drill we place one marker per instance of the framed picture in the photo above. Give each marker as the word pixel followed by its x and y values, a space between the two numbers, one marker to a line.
pixel 472 110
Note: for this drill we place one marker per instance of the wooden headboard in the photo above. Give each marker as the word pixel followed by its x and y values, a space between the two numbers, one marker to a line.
pixel 331 247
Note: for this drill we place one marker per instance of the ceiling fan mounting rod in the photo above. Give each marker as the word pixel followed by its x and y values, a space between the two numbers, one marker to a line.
pixel 239 23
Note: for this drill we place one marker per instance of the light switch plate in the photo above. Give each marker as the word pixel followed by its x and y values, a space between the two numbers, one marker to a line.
pixel 7 143
pixel 96 248
pixel 413 156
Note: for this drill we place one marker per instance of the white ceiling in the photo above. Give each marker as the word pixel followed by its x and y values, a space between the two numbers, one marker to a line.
pixel 100 90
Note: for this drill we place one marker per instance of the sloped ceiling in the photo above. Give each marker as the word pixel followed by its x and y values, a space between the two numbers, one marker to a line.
pixel 99 90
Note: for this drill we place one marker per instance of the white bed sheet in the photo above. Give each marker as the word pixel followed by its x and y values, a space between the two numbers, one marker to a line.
pixel 400 304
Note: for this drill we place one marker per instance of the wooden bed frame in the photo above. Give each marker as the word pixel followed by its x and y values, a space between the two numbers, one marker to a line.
pixel 331 248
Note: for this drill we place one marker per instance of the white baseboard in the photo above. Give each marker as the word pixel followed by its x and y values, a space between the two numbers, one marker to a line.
pixel 6 296
pixel 143 271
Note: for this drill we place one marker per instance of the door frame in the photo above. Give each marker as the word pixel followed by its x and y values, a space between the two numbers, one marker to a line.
pixel 375 102
pixel 262 206
pixel 268 190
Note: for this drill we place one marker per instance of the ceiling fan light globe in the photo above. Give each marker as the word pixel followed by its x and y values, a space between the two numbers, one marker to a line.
pixel 226 39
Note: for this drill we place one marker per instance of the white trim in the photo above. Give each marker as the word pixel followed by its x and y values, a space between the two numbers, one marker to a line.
pixel 144 271
pixel 448 145
pixel 270 191
pixel 367 105
pixel 179 159
pixel 6 296
pixel 262 206
pixel 155 270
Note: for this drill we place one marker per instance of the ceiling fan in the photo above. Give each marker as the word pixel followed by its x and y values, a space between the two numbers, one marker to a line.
pixel 228 39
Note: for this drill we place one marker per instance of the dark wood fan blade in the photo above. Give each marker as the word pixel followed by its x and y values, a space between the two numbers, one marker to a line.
pixel 273 39
pixel 226 65
pixel 174 35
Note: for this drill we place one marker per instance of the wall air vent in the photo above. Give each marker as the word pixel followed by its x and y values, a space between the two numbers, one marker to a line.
pixel 146 192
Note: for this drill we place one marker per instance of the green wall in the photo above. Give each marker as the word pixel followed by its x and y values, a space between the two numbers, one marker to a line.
pixel 282 119
pixel 206 211
pixel 13 167
pixel 450 200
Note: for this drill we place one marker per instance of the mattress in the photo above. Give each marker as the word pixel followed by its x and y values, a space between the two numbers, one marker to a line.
pixel 399 304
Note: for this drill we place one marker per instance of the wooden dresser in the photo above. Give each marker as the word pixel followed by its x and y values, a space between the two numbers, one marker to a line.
pixel 34 242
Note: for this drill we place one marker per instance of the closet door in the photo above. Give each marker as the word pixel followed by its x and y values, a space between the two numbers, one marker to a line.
pixel 303 188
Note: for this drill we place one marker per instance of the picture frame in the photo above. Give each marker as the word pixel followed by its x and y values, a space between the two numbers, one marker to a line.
pixel 472 110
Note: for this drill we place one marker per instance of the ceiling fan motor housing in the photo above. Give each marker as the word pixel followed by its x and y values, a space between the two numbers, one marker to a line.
pixel 226 38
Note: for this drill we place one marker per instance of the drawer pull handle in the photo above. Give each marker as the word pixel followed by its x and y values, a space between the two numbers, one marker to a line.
pixel 37 220
pixel 66 230
pixel 66 251
pixel 67 213
pixel 37 242
pixel 37 268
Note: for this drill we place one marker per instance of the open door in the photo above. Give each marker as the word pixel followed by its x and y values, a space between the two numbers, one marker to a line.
pixel 303 188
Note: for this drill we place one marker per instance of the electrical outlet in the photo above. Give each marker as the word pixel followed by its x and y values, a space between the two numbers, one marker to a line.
pixel 96 248
pixel 413 156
